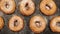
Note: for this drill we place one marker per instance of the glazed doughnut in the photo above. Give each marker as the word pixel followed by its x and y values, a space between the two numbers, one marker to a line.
pixel 1 23
pixel 26 7
pixel 37 24
pixel 16 23
pixel 48 7
pixel 55 24
pixel 8 6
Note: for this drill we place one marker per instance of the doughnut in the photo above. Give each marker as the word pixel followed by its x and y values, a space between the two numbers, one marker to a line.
pixel 16 23
pixel 55 24
pixel 1 23
pixel 48 7
pixel 37 24
pixel 8 6
pixel 26 7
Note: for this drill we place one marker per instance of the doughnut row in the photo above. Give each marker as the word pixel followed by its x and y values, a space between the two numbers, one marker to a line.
pixel 37 23
pixel 27 7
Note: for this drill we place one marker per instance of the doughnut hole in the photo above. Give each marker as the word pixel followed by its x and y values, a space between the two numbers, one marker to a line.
pixel 15 23
pixel 58 24
pixel 48 7
pixel 38 24
pixel 7 5
pixel 26 6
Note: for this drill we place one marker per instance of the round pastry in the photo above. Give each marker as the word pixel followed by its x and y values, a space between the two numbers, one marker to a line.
pixel 26 7
pixel 37 24
pixel 1 23
pixel 8 6
pixel 48 7
pixel 55 24
pixel 16 23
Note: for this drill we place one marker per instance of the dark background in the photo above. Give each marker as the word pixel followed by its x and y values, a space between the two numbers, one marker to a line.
pixel 26 29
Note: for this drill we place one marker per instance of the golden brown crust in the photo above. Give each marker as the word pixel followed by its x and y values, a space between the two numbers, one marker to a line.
pixel 1 22
pixel 48 7
pixel 0 4
pixel 19 23
pixel 8 6
pixel 34 26
pixel 54 24
pixel 26 10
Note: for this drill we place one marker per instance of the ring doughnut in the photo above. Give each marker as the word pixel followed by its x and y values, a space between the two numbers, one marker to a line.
pixel 16 23
pixel 8 6
pixel 26 7
pixel 55 24
pixel 1 23
pixel 37 24
pixel 48 7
